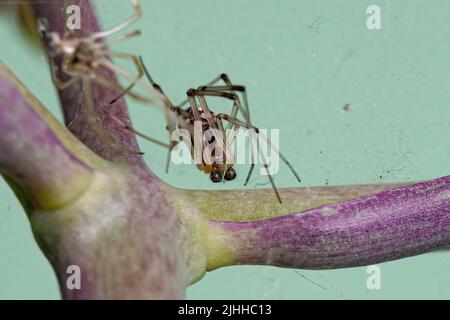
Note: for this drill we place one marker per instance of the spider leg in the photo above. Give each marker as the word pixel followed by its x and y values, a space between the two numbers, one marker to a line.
pixel 229 87
pixel 176 112
pixel 77 112
pixel 261 154
pixel 105 82
pixel 90 110
pixel 59 84
pixel 240 89
pixel 257 131
pixel 120 26
pixel 211 83
pixel 155 85
pixel 203 91
pixel 126 74
pixel 140 134
pixel 210 91
pixel 103 46
pixel 227 141
pixel 122 37
pixel 191 93
pixel 207 112
pixel 252 160
pixel 136 62
pixel 196 115
pixel 173 145
pixel 113 85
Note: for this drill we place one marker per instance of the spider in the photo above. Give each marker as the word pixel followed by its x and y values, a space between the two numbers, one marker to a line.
pixel 82 57
pixel 219 166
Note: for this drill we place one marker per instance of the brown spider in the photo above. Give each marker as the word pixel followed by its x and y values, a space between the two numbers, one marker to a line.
pixel 83 56
pixel 220 165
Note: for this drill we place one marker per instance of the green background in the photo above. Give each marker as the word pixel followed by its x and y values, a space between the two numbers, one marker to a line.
pixel 301 61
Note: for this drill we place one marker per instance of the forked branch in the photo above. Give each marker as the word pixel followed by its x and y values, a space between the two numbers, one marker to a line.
pixel 133 236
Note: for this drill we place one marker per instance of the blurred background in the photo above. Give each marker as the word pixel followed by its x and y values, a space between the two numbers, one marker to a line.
pixel 353 106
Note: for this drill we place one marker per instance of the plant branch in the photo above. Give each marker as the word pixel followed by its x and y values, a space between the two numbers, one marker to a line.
pixel 252 205
pixel 35 155
pixel 133 236
pixel 118 226
pixel 381 227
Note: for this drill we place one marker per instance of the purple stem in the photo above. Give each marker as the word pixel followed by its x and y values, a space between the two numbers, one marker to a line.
pixel 31 153
pixel 389 225
pixel 118 227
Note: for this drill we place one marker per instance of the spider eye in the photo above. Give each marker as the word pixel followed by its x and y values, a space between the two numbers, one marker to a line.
pixel 230 174
pixel 215 176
